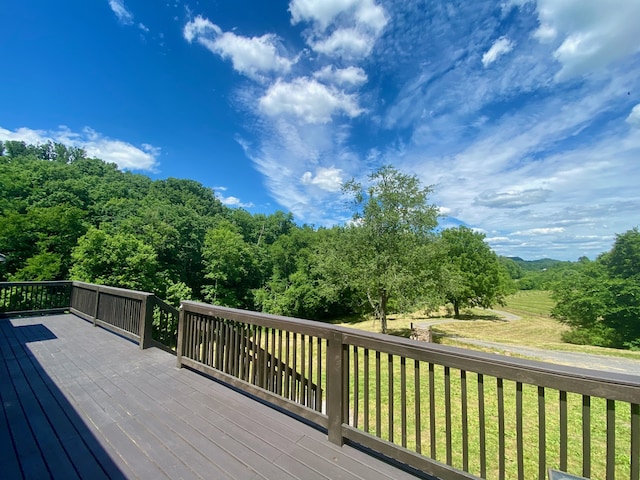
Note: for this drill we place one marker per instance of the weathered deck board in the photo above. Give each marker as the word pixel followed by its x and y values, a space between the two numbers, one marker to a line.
pixel 79 401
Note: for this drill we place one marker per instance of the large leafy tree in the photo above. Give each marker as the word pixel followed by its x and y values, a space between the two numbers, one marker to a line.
pixel 475 276
pixel 230 267
pixel 386 252
pixel 115 259
pixel 601 300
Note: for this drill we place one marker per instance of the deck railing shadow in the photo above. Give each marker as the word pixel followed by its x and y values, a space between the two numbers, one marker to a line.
pixel 41 433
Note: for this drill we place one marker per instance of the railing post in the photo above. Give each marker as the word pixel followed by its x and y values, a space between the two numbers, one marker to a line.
pixel 335 387
pixel 146 321
pixel 180 336
pixel 95 310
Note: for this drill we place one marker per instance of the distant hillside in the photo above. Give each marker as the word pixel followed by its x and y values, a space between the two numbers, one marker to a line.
pixel 536 265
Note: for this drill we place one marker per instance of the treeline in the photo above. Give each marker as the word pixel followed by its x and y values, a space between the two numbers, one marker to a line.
pixel 67 216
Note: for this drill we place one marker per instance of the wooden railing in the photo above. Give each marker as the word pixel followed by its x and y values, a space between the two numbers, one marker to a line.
pixel 126 312
pixel 27 298
pixel 450 412
pixel 165 325
pixel 24 298
pixel 139 316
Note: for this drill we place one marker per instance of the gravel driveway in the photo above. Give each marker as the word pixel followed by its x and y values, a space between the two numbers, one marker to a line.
pixel 583 360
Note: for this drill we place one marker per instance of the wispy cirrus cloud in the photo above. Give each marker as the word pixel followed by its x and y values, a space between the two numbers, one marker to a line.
pixel 124 154
pixel 122 13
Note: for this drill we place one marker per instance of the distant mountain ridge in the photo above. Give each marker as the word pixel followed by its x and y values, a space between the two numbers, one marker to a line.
pixel 536 265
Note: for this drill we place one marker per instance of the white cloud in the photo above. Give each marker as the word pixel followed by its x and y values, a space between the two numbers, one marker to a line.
pixel 124 15
pixel 230 201
pixel 325 12
pixel 308 100
pixel 346 42
pixel 539 231
pixel 343 28
pixel 592 33
pixel 512 199
pixel 251 56
pixel 123 154
pixel 329 179
pixel 355 76
pixel 634 117
pixel 500 47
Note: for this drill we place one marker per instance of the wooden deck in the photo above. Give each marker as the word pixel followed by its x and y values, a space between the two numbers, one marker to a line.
pixel 80 402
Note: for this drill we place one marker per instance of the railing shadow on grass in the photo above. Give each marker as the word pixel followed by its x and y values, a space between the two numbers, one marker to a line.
pixel 41 433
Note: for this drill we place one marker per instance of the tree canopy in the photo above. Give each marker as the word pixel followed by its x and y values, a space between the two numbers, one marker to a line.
pixel 385 252
pixel 600 300
pixel 475 277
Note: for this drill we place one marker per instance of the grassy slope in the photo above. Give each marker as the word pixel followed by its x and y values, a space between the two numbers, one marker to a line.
pixel 535 329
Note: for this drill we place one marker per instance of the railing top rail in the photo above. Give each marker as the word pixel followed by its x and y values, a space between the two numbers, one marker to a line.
pixel 307 327
pixel 164 305
pixel 612 385
pixel 122 292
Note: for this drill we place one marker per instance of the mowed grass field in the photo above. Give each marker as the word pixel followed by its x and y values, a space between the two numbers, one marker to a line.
pixel 534 328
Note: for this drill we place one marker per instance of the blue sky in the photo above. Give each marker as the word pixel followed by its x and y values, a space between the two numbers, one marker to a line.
pixel 524 115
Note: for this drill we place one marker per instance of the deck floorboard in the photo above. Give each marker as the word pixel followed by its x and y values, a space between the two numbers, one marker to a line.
pixel 81 402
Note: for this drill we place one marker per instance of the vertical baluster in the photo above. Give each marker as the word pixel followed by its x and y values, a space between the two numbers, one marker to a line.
pixel 254 354
pixel 242 352
pixel 417 405
pixel 635 441
pixel 260 358
pixel 319 374
pixel 266 360
pixel 519 430
pixel 542 434
pixel 447 410
pixel 294 369
pixel 366 390
pixel 287 371
pixel 237 355
pixel 586 436
pixel 280 363
pixel 501 453
pixel 403 399
pixel 228 347
pixel 378 397
pixel 303 377
pixel 272 366
pixel 563 431
pixel 310 373
pixel 390 377
pixel 432 410
pixel 465 420
pixel 611 439
pixel 356 386
pixel 482 434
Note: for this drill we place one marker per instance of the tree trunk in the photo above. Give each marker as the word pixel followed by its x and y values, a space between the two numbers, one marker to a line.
pixel 456 309
pixel 383 312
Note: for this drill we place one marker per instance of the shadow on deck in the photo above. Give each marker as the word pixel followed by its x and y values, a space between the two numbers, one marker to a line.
pixel 80 402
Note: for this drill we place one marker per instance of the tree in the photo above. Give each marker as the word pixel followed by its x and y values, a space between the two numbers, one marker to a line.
pixel 385 253
pixel 600 300
pixel 475 275
pixel 117 260
pixel 229 267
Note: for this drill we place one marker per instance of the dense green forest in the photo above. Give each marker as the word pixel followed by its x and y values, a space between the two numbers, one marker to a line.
pixel 66 216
